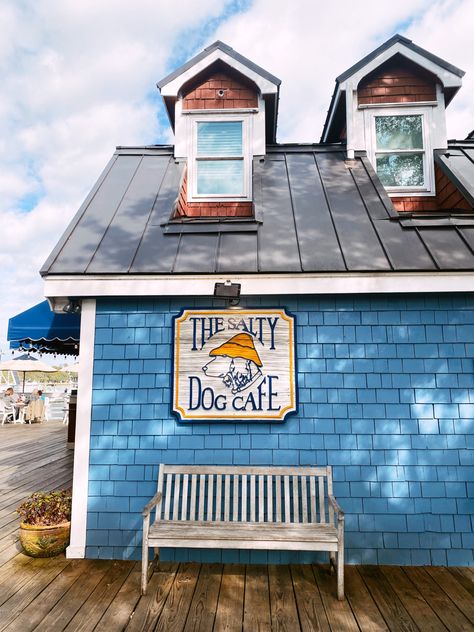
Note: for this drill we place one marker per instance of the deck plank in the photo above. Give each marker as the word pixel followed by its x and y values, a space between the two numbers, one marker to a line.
pixel 176 607
pixel 416 606
pixel 392 609
pixel 40 607
pixel 148 609
pixel 67 606
pixel 465 577
pixel 282 599
pixel 363 606
pixel 257 616
pixel 91 611
pixel 117 615
pixel 439 601
pixel 14 606
pixel 311 611
pixel 230 605
pixel 453 589
pixel 203 608
pixel 339 613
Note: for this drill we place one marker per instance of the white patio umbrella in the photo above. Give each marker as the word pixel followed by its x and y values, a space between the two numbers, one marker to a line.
pixel 25 364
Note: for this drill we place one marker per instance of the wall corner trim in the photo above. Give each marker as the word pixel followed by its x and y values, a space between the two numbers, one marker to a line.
pixel 75 552
pixel 80 479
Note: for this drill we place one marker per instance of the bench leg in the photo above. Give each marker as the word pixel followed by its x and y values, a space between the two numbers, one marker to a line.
pixel 144 568
pixel 332 561
pixel 340 572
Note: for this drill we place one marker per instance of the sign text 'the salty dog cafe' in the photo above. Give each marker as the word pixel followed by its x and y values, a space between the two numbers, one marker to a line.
pixel 234 365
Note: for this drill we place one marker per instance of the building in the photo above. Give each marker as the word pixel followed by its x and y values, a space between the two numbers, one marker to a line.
pixel 362 245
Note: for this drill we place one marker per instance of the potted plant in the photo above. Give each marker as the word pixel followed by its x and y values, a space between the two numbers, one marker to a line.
pixel 45 525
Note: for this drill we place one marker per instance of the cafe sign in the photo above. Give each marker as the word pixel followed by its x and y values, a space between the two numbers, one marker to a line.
pixel 234 365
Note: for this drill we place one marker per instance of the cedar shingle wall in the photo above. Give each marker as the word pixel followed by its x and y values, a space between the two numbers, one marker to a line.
pixel 396 425
pixel 209 209
pixel 397 81
pixel 447 194
pixel 447 197
pixel 205 96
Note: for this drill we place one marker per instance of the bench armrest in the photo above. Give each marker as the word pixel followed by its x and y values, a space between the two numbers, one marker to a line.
pixel 147 509
pixel 336 507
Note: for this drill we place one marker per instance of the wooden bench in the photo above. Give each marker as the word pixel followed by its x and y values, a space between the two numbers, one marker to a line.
pixel 231 507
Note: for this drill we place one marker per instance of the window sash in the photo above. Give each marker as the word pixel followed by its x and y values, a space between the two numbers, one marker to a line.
pixel 224 177
pixel 213 179
pixel 391 171
pixel 219 139
pixel 386 139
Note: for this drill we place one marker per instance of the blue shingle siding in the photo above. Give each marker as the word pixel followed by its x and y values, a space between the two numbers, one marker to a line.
pixel 386 392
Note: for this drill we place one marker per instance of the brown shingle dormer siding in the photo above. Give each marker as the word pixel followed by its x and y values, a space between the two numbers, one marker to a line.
pixel 447 197
pixel 209 209
pixel 220 91
pixel 397 81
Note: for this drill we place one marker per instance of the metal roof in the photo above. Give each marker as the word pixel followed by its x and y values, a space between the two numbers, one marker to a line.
pixel 314 212
pixel 457 162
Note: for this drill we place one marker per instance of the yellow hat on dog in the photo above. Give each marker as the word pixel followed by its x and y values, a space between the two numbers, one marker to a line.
pixel 239 346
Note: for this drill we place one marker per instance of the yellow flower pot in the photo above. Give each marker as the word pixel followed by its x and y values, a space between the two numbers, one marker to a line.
pixel 44 541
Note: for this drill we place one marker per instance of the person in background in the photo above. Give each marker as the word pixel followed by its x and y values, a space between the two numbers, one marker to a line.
pixel 9 396
pixel 10 399
pixel 35 408
pixel 41 396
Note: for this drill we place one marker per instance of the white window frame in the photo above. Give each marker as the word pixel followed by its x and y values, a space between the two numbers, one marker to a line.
pixel 428 189
pixel 246 120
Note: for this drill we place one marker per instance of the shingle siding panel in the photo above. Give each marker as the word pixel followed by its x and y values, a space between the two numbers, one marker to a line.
pixel 403 469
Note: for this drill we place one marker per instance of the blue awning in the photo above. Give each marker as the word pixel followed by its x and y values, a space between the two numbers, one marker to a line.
pixel 41 329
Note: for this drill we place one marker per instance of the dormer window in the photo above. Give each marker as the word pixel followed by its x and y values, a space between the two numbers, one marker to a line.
pixel 400 148
pixel 399 151
pixel 223 109
pixel 220 159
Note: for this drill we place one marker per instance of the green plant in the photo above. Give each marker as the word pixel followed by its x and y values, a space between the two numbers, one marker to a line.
pixel 47 508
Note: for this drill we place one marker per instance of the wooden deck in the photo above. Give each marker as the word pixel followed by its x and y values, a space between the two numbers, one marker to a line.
pixel 59 594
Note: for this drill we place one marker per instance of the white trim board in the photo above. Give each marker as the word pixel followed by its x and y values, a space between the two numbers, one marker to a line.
pixel 64 286
pixel 80 484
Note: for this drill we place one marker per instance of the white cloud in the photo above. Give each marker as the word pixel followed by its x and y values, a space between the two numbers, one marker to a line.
pixel 78 78
pixel 308 44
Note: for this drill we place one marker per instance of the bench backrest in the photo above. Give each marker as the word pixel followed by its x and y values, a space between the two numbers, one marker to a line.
pixel 245 494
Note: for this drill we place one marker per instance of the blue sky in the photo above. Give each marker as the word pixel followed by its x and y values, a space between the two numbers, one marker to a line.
pixel 79 78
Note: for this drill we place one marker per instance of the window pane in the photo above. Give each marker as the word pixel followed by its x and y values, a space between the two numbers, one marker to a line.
pixel 399 132
pixel 219 138
pixel 220 177
pixel 400 170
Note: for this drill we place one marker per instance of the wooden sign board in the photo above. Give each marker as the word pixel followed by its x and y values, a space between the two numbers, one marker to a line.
pixel 234 365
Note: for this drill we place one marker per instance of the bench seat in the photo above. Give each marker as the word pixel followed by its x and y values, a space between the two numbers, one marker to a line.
pixel 250 535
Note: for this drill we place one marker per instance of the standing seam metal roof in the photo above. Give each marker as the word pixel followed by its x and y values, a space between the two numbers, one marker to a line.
pixel 314 212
